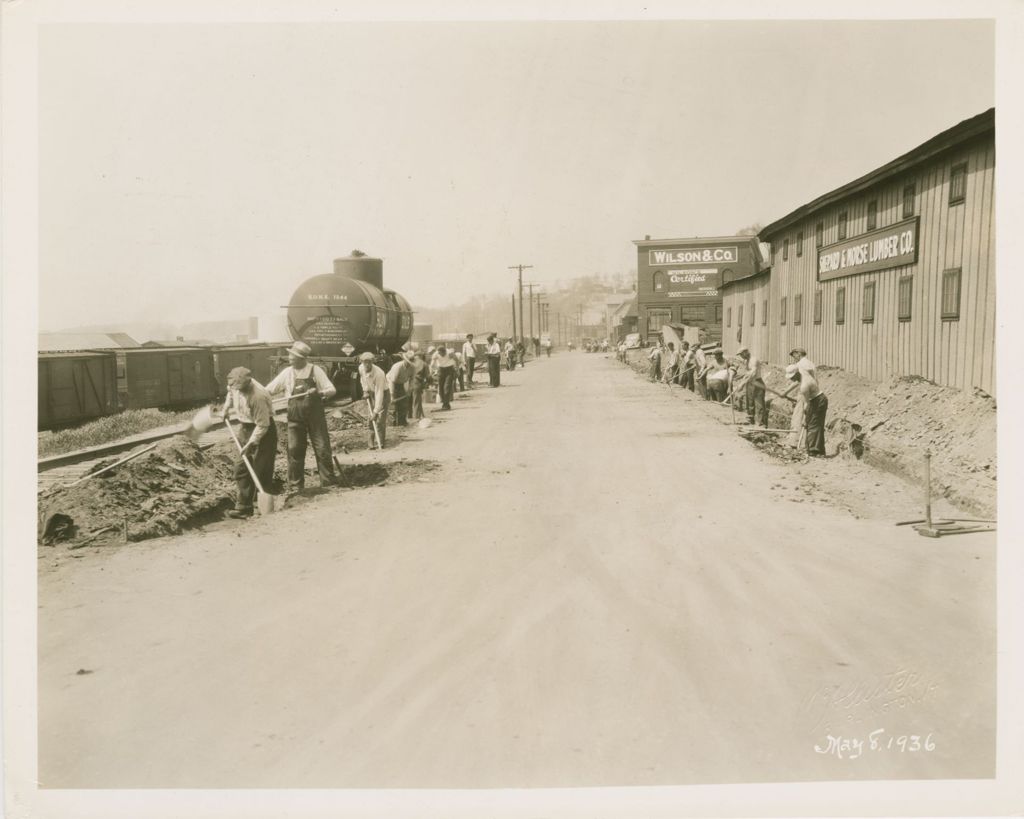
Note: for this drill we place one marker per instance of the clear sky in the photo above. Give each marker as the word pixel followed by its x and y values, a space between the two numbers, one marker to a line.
pixel 196 172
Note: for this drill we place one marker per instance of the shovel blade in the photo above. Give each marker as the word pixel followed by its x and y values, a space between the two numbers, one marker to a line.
pixel 268 504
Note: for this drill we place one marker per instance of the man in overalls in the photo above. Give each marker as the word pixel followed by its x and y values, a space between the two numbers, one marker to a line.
pixel 252 407
pixel 306 386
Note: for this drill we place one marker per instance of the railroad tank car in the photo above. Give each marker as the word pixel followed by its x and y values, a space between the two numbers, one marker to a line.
pixel 74 387
pixel 347 312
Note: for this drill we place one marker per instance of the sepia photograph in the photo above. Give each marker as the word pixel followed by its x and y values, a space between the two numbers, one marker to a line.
pixel 497 410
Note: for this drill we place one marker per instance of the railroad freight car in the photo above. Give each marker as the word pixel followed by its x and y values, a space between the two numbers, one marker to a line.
pixel 348 312
pixel 259 358
pixel 164 377
pixel 76 387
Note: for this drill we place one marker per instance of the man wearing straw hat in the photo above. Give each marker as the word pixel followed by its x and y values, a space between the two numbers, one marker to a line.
pixel 253 408
pixel 306 386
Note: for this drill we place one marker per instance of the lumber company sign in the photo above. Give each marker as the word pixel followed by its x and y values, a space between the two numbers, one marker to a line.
pixel 892 246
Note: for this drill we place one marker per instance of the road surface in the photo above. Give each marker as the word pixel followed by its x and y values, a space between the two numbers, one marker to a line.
pixel 601 585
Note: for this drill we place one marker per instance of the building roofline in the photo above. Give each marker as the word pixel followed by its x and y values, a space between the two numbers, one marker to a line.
pixel 961 132
pixel 650 242
pixel 765 272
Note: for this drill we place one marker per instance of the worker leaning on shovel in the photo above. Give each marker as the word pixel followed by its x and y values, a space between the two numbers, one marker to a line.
pixel 251 405
pixel 378 395
pixel 306 386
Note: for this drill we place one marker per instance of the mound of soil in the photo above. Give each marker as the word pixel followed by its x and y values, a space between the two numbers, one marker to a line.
pixel 891 424
pixel 173 487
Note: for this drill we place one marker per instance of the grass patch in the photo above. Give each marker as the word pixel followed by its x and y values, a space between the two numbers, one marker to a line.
pixel 110 428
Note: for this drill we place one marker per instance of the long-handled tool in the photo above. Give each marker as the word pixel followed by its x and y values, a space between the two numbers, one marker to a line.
pixel 373 423
pixel 265 502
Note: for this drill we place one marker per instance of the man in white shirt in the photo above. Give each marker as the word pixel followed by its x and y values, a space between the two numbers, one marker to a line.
pixel 376 391
pixel 469 358
pixel 655 358
pixel 753 385
pixel 700 371
pixel 306 386
pixel 443 366
pixel 494 360
pixel 399 380
pixel 815 401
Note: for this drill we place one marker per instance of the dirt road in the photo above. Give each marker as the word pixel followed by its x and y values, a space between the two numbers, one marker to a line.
pixel 600 585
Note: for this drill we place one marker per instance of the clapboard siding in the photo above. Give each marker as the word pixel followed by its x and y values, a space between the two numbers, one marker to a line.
pixel 958 353
pixel 747 294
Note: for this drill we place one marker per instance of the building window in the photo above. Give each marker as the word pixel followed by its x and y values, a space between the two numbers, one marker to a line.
pixel 800 244
pixel 868 303
pixel 691 312
pixel 951 294
pixel 906 294
pixel 659 282
pixel 872 214
pixel 764 313
pixel 817 307
pixel 819 234
pixel 739 316
pixel 782 310
pixel 785 250
pixel 656 319
pixel 958 183
pixel 728 317
pixel 718 314
pixel 752 306
pixel 840 305
pixel 842 226
pixel 909 192
pixel 798 308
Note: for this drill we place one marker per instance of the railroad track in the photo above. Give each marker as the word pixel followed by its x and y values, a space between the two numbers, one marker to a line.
pixel 69 467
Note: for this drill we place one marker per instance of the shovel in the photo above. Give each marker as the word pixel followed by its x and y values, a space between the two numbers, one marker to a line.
pixel 266 503
pixel 201 422
pixel 373 423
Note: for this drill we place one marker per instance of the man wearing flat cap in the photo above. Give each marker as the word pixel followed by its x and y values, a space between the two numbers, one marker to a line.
pixel 815 401
pixel 753 386
pixel 249 402
pixel 306 386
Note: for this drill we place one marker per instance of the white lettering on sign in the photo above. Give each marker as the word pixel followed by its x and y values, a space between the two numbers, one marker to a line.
pixel 880 249
pixel 326 297
pixel 690 276
pixel 694 255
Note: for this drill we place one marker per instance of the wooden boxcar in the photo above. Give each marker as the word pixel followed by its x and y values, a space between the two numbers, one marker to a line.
pixel 76 387
pixel 258 358
pixel 164 377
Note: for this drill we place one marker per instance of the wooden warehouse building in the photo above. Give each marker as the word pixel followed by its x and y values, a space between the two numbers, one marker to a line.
pixel 890 274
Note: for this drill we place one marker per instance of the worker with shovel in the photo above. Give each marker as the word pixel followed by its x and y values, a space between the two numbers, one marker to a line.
pixel 378 397
pixel 306 386
pixel 252 406
pixel 753 387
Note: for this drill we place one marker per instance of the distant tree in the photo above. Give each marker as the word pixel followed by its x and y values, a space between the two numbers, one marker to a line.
pixel 750 230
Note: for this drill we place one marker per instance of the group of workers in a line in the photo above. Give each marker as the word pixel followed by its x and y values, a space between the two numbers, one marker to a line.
pixel 306 387
pixel 741 381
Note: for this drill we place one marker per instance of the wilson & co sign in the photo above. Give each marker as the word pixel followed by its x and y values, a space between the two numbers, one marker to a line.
pixel 892 246
pixel 693 255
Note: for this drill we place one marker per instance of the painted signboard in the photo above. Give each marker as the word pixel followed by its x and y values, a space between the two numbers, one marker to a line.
pixel 892 246
pixel 692 283
pixel 693 255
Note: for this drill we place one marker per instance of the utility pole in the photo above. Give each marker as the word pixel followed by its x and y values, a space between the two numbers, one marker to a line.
pixel 520 268
pixel 513 315
pixel 530 285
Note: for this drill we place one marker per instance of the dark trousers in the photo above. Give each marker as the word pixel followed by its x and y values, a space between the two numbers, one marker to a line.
pixel 470 367
pixel 756 407
pixel 510 361
pixel 702 387
pixel 382 422
pixel 308 421
pixel 460 377
pixel 417 401
pixel 814 419
pixel 401 404
pixel 686 378
pixel 718 390
pixel 446 386
pixel 656 369
pixel 494 369
pixel 262 459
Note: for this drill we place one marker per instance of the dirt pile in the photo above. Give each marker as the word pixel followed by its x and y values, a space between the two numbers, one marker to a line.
pixel 890 425
pixel 173 487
